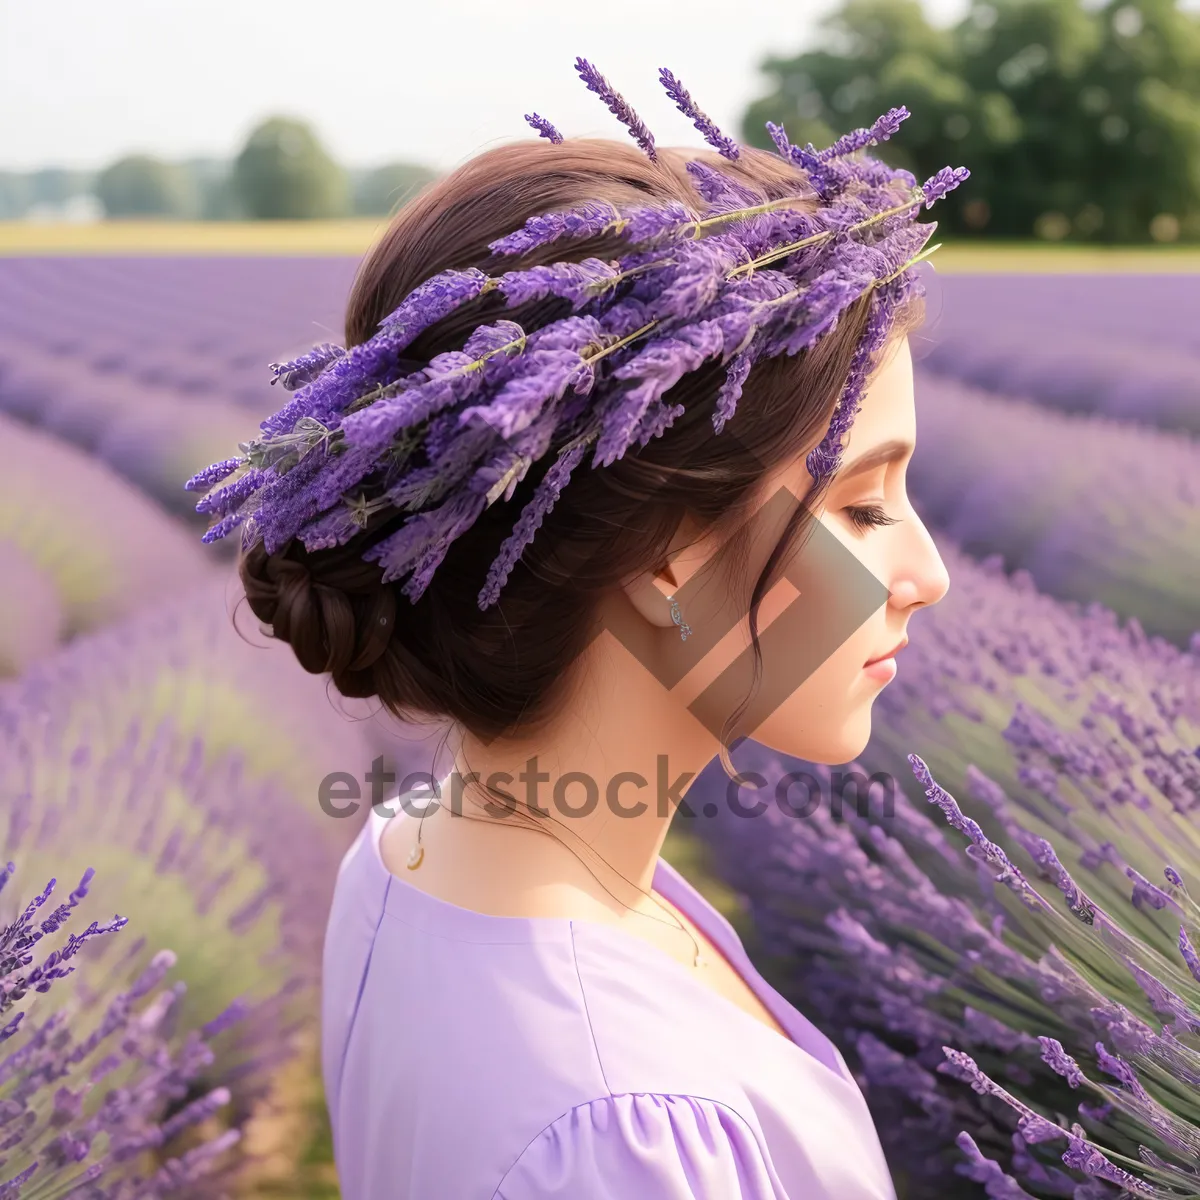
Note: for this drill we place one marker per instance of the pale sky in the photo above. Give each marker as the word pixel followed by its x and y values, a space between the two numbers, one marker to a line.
pixel 436 81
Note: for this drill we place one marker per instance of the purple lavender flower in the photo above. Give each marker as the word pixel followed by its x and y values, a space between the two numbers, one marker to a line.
pixel 589 219
pixel 423 540
pixel 989 852
pixel 826 458
pixel 693 280
pixel 822 176
pixel 731 389
pixel 490 339
pixel 371 428
pixel 205 479
pixel 946 180
pixel 654 222
pixel 52 1064
pixel 998 1184
pixel 1189 953
pixel 119 747
pixel 712 135
pixel 874 930
pixel 656 420
pixel 577 282
pixel 225 499
pixel 722 192
pixel 367 366
pixel 884 127
pixel 554 360
pixel 651 373
pixel 544 128
pixel 617 105
pixel 434 299
pixel 530 520
pixel 302 370
pixel 1060 1061
pixel 1085 1157
pixel 519 402
pixel 334 528
pixel 778 135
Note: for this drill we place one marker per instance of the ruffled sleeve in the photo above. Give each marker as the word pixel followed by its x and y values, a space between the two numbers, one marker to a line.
pixel 654 1147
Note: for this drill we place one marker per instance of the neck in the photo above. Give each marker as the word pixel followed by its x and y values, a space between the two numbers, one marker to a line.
pixel 606 779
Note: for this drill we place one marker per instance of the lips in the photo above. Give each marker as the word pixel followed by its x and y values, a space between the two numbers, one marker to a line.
pixel 890 654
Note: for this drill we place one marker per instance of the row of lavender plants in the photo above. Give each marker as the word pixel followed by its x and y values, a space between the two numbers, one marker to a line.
pixel 1121 346
pixel 173 753
pixel 101 1094
pixel 157 366
pixel 1094 508
pixel 150 733
pixel 79 546
pixel 1014 972
pixel 179 755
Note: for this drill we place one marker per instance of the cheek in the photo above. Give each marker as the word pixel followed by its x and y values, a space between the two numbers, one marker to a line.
pixel 822 714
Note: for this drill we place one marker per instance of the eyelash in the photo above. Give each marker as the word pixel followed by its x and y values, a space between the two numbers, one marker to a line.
pixel 870 517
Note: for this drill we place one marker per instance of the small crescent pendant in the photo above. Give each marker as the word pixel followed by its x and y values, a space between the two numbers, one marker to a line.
pixel 415 856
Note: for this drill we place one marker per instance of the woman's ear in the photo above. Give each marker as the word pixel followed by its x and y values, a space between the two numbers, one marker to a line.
pixel 647 591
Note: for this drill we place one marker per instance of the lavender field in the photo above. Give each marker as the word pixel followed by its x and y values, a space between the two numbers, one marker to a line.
pixel 1033 914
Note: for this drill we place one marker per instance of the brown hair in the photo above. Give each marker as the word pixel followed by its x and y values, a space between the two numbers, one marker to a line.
pixel 496 671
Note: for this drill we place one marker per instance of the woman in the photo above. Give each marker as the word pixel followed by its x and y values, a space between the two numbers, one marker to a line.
pixel 522 999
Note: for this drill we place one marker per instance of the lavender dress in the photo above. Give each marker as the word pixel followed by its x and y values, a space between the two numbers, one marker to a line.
pixel 473 1057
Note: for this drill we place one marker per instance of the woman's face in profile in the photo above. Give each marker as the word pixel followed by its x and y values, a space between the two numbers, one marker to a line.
pixel 848 594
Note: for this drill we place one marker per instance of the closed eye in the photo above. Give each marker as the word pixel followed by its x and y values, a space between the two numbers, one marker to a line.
pixel 869 516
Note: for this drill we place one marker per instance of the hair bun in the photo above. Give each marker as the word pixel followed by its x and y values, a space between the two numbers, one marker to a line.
pixel 329 629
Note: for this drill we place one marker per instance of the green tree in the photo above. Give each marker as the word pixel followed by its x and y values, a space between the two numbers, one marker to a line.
pixel 1076 120
pixel 14 194
pixel 284 173
pixel 381 191
pixel 875 54
pixel 212 181
pixel 1142 96
pixel 141 186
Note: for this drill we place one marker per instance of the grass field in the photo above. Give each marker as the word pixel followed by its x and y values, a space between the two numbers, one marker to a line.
pixel 354 237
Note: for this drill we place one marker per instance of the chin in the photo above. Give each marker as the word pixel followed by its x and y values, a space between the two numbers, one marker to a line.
pixel 790 729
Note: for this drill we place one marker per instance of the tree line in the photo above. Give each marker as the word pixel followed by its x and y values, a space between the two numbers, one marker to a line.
pixel 281 172
pixel 1079 119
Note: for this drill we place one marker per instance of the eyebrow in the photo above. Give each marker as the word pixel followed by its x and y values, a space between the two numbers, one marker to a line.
pixel 885 452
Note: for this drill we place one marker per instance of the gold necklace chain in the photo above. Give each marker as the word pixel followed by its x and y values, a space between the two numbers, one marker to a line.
pixel 416 857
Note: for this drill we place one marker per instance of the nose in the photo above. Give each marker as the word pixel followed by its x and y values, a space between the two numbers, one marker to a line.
pixel 920 577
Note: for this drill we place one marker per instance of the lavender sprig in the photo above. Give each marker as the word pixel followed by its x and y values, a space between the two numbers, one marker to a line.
pixel 302 370
pixel 434 299
pixel 544 128
pixel 586 220
pixel 946 180
pixel 705 124
pixel 617 105
pixel 529 522
pixel 884 127
pixel 205 479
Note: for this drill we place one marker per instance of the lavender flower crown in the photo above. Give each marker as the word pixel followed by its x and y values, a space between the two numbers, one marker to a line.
pixel 740 281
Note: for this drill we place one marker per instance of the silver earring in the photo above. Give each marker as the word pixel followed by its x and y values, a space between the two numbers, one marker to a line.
pixel 684 627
